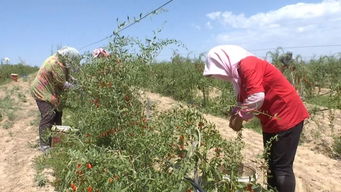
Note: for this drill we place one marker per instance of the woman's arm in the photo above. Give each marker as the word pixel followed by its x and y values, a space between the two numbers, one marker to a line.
pixel 251 72
pixel 251 104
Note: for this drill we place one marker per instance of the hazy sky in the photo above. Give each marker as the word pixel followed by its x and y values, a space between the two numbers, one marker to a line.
pixel 31 29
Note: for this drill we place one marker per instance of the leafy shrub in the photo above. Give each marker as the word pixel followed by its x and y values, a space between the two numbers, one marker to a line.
pixel 156 157
pixel 20 69
pixel 182 79
pixel 119 149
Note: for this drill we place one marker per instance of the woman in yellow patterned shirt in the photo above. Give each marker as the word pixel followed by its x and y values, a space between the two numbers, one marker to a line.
pixel 52 79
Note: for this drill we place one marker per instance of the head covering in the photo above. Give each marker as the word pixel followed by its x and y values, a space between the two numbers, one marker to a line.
pixel 99 52
pixel 69 56
pixel 222 63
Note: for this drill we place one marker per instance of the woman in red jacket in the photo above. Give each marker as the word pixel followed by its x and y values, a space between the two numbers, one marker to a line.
pixel 263 91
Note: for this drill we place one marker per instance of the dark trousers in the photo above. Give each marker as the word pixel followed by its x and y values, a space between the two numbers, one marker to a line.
pixel 49 116
pixel 281 158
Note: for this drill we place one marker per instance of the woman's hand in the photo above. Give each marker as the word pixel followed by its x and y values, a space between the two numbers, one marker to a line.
pixel 236 122
pixel 68 85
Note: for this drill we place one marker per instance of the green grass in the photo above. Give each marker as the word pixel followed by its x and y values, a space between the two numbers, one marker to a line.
pixel 325 101
pixel 254 124
pixel 35 122
pixel 7 124
pixel 6 103
pixel 40 177
pixel 337 146
pixel 20 69
pixel 7 109
pixel 22 97
pixel 40 180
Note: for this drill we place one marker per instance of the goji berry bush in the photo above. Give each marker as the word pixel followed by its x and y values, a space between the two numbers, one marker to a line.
pixel 120 148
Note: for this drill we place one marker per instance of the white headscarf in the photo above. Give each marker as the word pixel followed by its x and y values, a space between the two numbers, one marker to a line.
pixel 69 56
pixel 222 63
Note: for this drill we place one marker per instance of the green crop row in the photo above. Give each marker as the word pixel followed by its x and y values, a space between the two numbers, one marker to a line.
pixel 120 148
pixel 22 70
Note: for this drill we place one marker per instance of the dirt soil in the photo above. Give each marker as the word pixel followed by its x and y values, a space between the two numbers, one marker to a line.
pixel 315 170
pixel 19 140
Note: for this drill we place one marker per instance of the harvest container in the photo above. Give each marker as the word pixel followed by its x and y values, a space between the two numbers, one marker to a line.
pixel 246 176
pixel 59 132
pixel 14 77
pixel 57 138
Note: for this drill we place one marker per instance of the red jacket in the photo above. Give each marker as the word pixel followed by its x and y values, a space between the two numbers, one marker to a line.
pixel 282 108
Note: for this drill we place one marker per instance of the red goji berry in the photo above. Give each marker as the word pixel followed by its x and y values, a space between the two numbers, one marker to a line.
pixel 88 165
pixel 110 180
pixel 73 187
pixel 96 102
pixel 126 98
pixel 89 189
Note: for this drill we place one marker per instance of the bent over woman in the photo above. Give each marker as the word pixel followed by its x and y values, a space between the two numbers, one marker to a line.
pixel 52 79
pixel 263 91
